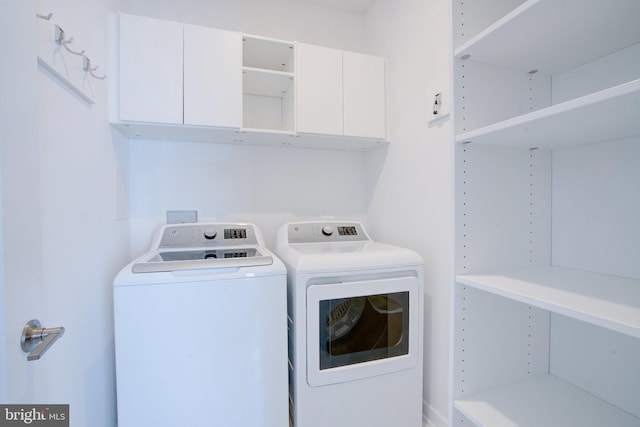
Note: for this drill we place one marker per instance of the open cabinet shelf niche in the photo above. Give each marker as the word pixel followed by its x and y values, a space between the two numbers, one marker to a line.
pixel 546 304
pixel 268 84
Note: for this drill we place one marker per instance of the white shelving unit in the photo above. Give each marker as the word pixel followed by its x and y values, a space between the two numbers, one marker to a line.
pixel 546 304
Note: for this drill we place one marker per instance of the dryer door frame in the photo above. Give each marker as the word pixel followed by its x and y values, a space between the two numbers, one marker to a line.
pixel 341 288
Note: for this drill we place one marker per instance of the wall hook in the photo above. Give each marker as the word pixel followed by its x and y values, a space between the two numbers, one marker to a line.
pixel 63 41
pixel 86 65
pixel 436 103
pixel 45 17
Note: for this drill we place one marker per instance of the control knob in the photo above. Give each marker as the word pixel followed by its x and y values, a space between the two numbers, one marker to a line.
pixel 327 230
pixel 210 234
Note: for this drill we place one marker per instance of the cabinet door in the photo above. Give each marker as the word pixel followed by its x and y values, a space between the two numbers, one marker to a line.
pixel 150 70
pixel 212 77
pixel 364 95
pixel 319 90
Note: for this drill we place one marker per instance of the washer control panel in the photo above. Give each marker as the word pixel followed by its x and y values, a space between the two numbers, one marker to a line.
pixel 199 235
pixel 318 232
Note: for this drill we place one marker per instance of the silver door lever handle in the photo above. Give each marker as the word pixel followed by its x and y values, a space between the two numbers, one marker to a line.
pixel 36 340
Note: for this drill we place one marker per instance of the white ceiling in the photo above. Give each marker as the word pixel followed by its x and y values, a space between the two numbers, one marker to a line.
pixel 357 6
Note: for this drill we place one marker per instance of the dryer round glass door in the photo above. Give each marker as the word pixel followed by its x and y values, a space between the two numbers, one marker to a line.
pixel 361 329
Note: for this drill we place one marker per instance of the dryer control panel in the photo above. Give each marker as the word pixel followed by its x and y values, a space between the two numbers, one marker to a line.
pixel 320 232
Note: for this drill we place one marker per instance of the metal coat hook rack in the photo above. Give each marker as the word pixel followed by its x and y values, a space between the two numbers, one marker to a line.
pixel 53 60
pixel 86 65
pixel 63 41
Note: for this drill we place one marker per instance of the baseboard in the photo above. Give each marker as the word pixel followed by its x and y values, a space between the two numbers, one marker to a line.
pixel 431 417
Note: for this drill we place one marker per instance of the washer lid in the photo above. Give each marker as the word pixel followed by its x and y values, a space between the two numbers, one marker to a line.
pixel 201 258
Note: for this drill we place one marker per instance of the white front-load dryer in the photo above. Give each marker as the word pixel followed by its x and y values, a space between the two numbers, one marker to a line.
pixel 355 327
pixel 200 331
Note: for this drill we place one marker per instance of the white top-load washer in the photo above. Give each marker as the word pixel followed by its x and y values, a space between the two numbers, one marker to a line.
pixel 355 327
pixel 200 331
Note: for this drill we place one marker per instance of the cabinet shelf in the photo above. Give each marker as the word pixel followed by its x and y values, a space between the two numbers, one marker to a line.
pixel 268 54
pixel 521 39
pixel 601 116
pixel 542 401
pixel 262 82
pixel 611 302
pixel 245 136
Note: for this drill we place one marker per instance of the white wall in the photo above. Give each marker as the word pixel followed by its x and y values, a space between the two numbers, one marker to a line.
pixel 264 185
pixel 410 185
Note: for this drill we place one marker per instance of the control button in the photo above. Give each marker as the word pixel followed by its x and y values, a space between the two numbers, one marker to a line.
pixel 327 231
pixel 210 234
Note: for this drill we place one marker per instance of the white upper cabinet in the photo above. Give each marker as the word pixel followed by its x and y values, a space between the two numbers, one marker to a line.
pixel 150 70
pixel 194 83
pixel 172 73
pixel 364 95
pixel 340 93
pixel 319 90
pixel 212 77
